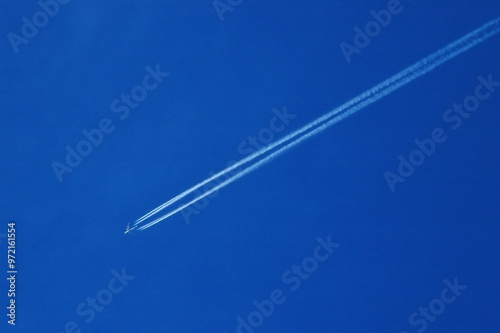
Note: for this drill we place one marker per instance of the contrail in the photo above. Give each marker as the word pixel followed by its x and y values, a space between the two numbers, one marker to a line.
pixel 363 100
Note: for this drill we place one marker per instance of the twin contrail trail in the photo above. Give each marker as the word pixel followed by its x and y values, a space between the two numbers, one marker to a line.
pixel 266 154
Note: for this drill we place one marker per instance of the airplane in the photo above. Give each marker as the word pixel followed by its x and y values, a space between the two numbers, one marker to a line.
pixel 129 230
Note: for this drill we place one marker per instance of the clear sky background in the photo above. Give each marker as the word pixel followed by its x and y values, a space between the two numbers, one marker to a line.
pixel 226 77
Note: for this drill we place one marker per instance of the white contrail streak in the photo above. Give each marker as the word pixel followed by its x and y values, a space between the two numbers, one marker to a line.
pixel 360 102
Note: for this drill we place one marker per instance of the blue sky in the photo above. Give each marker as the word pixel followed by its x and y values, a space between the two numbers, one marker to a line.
pixel 396 248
